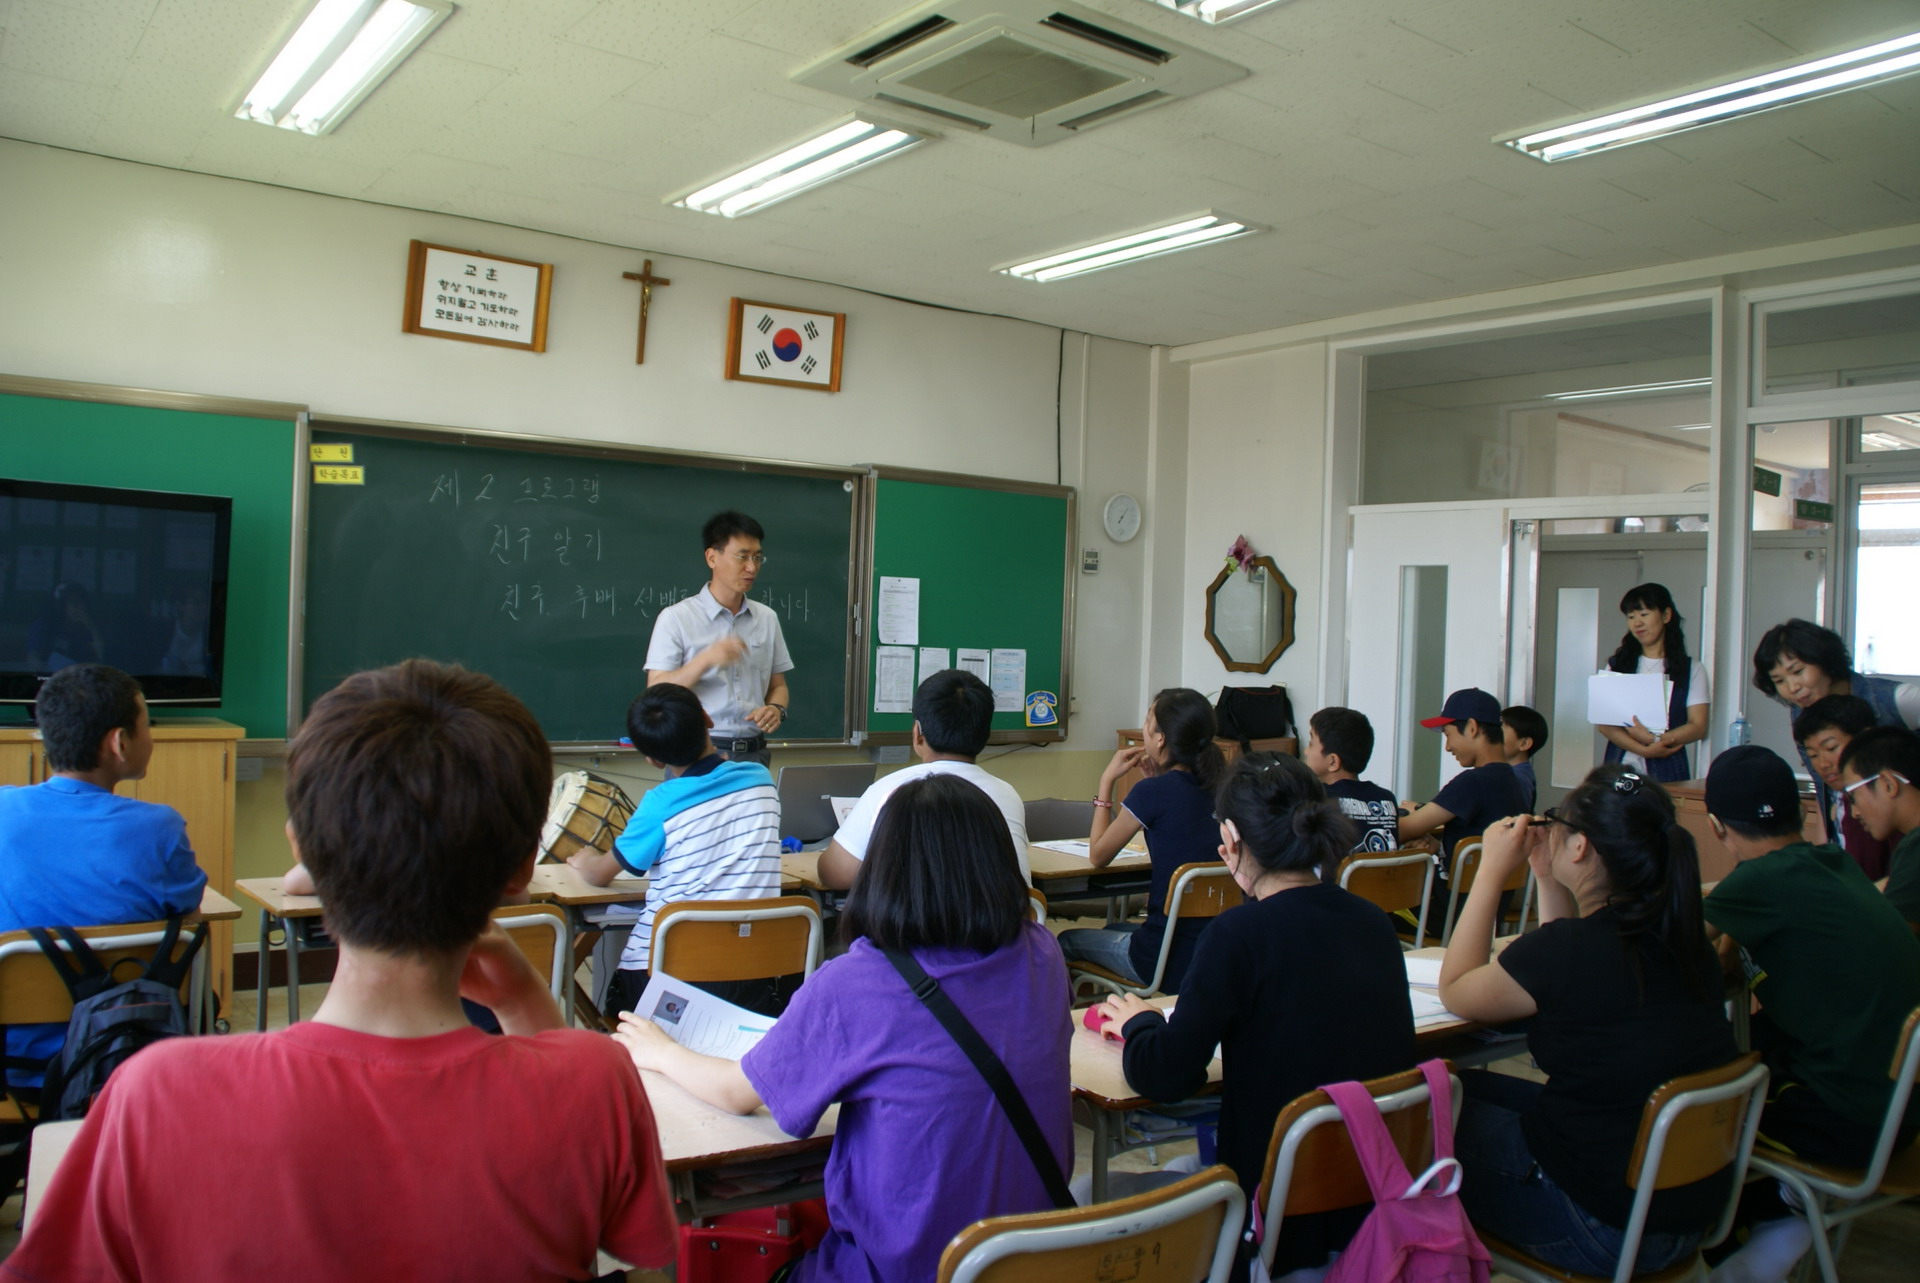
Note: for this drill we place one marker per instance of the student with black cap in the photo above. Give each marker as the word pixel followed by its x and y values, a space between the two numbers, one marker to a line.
pixel 1836 971
pixel 1486 791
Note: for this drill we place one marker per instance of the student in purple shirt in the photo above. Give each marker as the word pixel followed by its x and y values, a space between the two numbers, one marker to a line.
pixel 922 1149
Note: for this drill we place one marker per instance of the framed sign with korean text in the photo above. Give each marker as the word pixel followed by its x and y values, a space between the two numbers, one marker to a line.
pixel 481 298
pixel 791 346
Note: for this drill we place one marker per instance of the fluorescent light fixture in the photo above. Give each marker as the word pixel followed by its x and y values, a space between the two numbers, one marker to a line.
pixel 1188 233
pixel 848 146
pixel 1693 427
pixel 335 57
pixel 1911 420
pixel 1629 389
pixel 1800 83
pixel 1217 11
pixel 1886 441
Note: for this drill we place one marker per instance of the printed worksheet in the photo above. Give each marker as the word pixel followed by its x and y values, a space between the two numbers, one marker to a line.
pixel 977 662
pixel 893 679
pixel 1009 681
pixel 934 659
pixel 899 621
pixel 701 1022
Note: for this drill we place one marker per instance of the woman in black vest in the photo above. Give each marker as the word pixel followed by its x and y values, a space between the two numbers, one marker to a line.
pixel 1656 642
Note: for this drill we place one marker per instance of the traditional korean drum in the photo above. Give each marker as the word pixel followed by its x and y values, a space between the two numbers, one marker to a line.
pixel 584 811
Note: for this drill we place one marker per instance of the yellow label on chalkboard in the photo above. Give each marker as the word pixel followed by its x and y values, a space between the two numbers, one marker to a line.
pixel 331 452
pixel 339 475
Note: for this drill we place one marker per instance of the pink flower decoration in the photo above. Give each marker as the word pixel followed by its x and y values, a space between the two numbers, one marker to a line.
pixel 1242 552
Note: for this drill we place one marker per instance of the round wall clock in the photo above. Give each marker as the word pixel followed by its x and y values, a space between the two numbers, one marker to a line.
pixel 1122 518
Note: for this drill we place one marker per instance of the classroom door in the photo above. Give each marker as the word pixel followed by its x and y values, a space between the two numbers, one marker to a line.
pixel 1577 624
pixel 1426 614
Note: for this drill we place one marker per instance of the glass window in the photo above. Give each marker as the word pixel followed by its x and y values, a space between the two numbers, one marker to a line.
pixel 1886 614
pixel 1792 470
pixel 1590 409
pixel 1842 345
pixel 1881 433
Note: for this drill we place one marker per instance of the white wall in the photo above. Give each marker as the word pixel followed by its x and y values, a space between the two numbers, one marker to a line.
pixel 1256 447
pixel 118 273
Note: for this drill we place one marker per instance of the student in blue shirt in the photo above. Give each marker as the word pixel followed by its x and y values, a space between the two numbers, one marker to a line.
pixel 77 855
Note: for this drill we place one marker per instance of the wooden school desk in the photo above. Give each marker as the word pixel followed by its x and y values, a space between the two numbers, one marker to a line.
pixel 1100 1082
pixel 698 1140
pixel 277 907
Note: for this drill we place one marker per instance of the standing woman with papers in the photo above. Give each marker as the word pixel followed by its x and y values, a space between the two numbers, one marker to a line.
pixel 1656 642
pixel 924 1147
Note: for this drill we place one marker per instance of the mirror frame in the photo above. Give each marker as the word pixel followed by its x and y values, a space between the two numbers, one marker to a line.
pixel 1287 595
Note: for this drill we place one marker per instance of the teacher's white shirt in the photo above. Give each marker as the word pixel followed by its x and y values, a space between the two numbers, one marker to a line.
pixel 731 691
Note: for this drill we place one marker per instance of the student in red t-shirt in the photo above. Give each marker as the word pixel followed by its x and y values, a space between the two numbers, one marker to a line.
pixel 386 1137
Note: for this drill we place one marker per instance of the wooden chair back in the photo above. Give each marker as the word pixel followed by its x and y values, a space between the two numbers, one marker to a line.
pixel 1391 879
pixel 1182 1233
pixel 712 940
pixel 1466 866
pixel 31 991
pixel 540 932
pixel 1325 1172
pixel 1038 904
pixel 1701 1139
pixel 1201 890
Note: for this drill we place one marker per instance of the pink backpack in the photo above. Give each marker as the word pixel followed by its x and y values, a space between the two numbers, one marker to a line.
pixel 1414 1234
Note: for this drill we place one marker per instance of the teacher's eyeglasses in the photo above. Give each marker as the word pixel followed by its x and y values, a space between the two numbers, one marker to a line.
pixel 742 558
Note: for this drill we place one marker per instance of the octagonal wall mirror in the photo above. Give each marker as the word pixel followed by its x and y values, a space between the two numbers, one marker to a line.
pixel 1250 616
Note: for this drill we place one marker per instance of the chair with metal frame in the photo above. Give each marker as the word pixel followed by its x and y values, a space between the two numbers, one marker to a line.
pixel 32 992
pixel 1183 1233
pixel 709 941
pixel 1038 904
pixel 1466 865
pixel 1691 1128
pixel 1199 890
pixel 1832 1198
pixel 1394 880
pixel 540 932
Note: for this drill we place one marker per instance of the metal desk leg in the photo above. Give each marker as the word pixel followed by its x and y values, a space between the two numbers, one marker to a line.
pixel 1102 1123
pixel 197 993
pixel 260 981
pixel 293 971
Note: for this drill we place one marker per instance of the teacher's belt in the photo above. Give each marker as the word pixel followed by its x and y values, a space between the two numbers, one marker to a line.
pixel 751 744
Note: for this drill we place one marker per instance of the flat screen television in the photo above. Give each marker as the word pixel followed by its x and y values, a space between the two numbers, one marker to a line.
pixel 132 578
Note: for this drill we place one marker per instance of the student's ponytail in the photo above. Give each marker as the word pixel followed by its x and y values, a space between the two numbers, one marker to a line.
pixel 1186 720
pixel 1652 865
pixel 1285 820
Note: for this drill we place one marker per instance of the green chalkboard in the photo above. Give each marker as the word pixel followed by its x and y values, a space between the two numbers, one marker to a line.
pixel 545 563
pixel 991 560
pixel 248 458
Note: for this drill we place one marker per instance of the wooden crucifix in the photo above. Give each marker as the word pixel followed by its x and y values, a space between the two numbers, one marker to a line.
pixel 647 281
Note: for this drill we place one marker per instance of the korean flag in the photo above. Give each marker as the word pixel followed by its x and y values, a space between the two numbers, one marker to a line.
pixel 793 347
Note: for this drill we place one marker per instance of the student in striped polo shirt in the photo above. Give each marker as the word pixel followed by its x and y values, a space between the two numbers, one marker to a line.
pixel 709 831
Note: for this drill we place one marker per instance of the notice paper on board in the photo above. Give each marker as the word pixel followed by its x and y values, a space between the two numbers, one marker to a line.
pixel 899 622
pixel 934 659
pixel 699 1021
pixel 1615 699
pixel 1009 681
pixel 893 679
pixel 977 662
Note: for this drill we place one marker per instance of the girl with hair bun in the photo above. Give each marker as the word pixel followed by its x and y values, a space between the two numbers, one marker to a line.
pixel 1300 985
pixel 1174 804
pixel 1623 993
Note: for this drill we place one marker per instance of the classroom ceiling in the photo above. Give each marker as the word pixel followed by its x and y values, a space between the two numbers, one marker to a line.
pixel 1361 138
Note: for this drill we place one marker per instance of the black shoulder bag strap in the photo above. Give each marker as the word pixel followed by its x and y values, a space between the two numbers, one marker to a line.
pixel 936 1000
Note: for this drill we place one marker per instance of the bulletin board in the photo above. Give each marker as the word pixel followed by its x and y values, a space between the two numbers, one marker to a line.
pixel 990 567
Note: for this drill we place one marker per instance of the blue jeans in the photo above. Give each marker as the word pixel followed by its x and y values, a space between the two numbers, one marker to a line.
pixel 1506 1193
pixel 1104 947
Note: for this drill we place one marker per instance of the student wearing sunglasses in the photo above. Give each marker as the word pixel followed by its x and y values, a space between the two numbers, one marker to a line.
pixel 1623 993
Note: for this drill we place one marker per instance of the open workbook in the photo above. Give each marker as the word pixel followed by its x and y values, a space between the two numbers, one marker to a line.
pixel 699 1021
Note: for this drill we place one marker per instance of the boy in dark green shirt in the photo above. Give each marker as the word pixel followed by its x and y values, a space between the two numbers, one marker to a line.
pixel 1878 770
pixel 1836 972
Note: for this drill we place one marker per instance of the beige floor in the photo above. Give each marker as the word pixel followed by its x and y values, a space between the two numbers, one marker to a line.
pixel 1884 1248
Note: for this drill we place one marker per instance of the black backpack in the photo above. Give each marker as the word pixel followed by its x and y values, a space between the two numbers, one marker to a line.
pixel 111 1019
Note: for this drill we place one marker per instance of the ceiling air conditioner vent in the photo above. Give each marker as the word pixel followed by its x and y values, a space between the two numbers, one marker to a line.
pixel 899 40
pixel 1028 71
pixel 1104 36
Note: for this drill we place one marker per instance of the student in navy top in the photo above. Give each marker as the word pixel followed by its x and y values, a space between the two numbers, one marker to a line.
pixel 1339 746
pixel 1302 984
pixel 1174 804
pixel 1524 735
pixel 922 1148
pixel 1485 791
pixel 76 854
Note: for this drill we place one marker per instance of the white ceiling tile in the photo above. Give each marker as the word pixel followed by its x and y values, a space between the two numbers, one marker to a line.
pixel 88 45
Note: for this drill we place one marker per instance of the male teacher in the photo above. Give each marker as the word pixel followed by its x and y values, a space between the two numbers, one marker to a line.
pixel 726 649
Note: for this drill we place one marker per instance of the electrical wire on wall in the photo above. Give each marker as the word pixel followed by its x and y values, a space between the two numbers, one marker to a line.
pixel 1059 381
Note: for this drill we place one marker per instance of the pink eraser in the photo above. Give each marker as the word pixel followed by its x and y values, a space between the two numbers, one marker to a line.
pixel 1097 1020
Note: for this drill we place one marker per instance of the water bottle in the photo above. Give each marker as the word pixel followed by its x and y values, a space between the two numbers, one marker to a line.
pixel 1741 732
